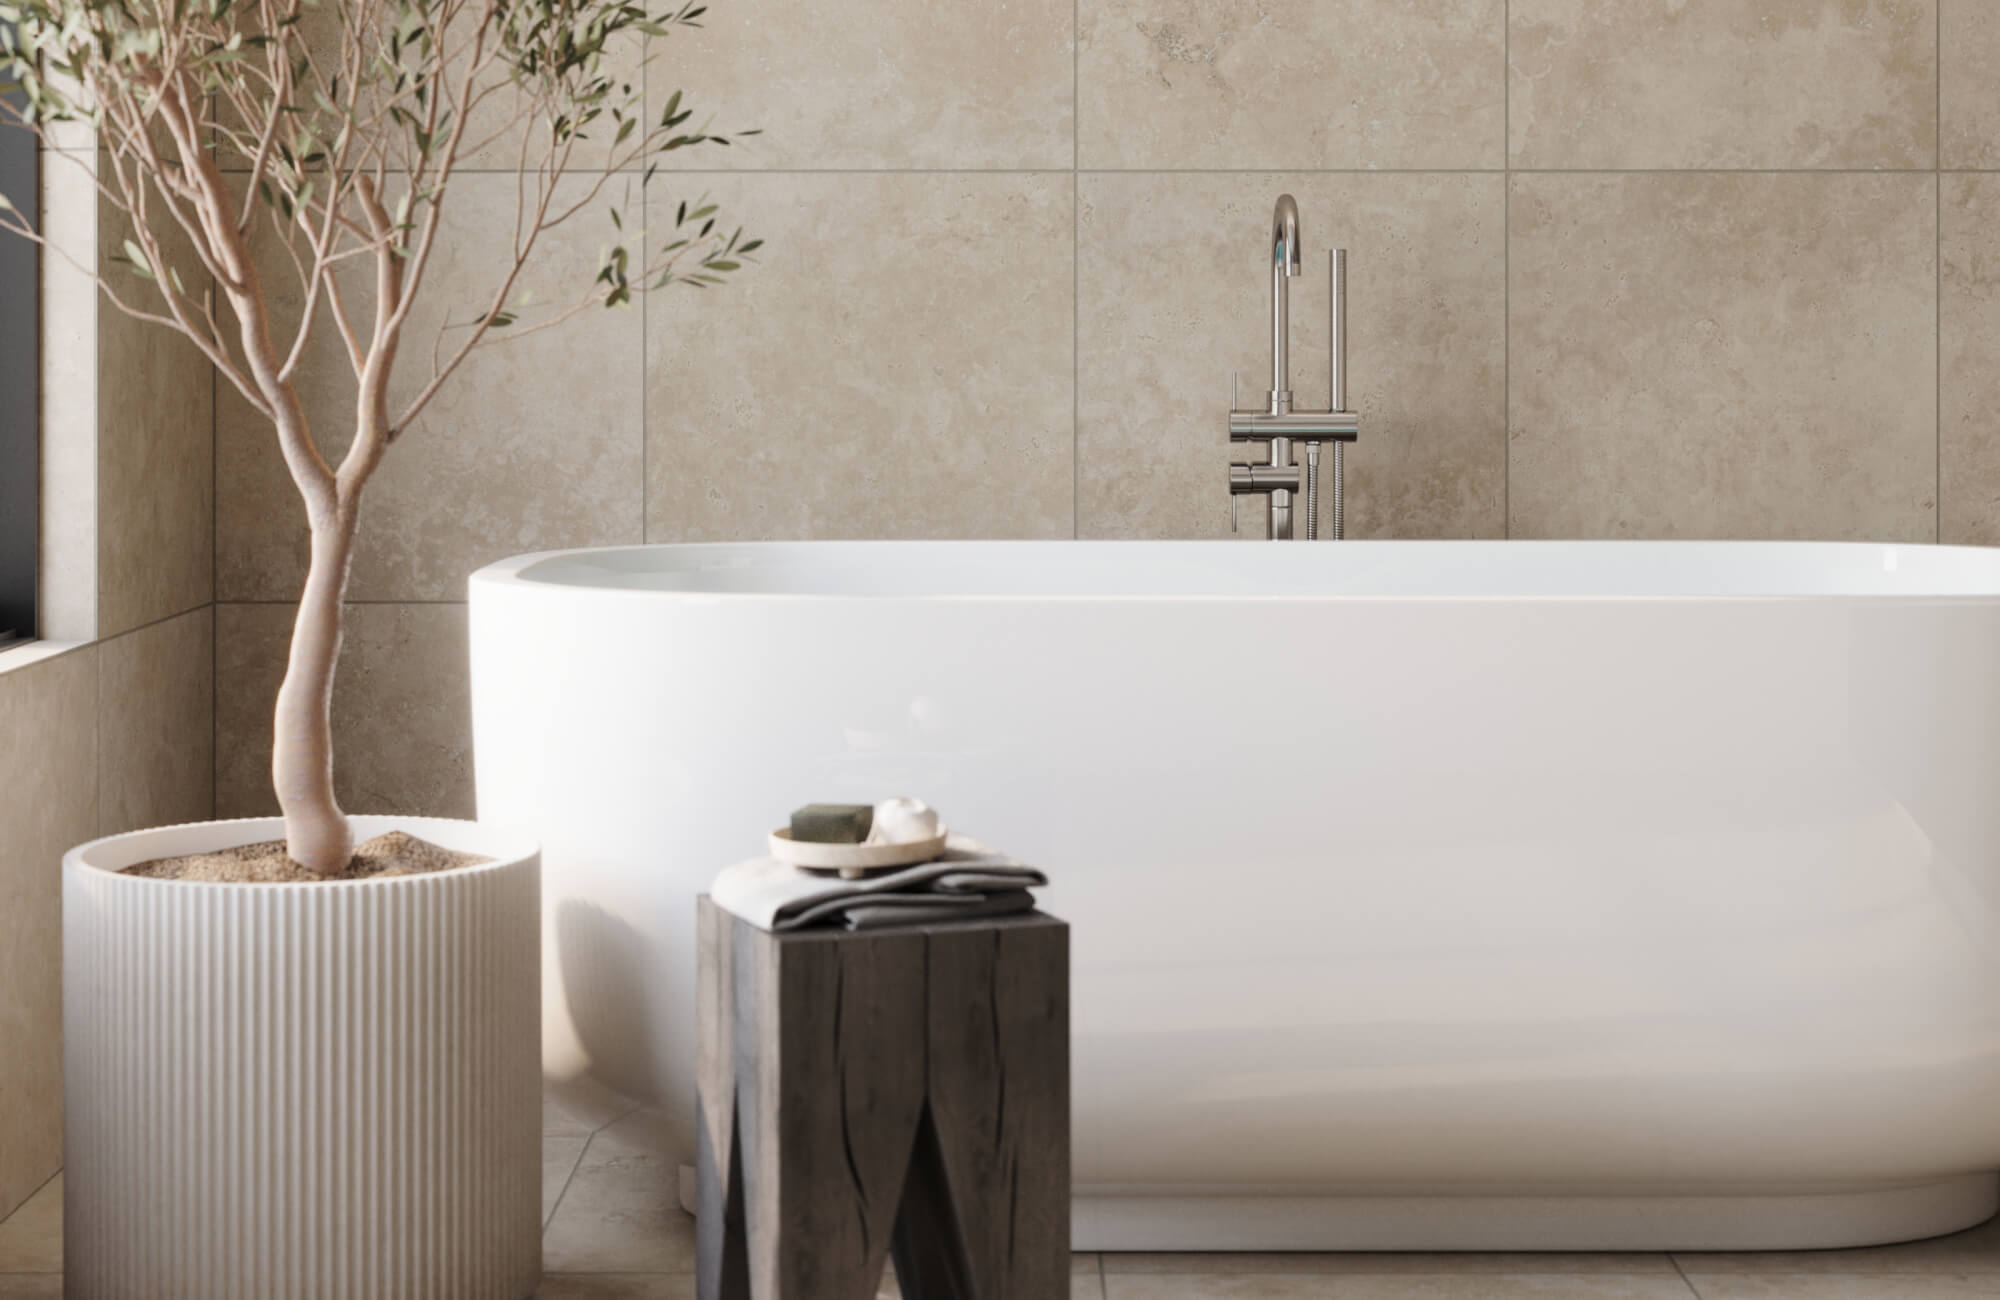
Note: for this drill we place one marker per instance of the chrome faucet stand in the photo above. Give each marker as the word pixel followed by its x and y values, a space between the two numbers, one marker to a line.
pixel 1279 478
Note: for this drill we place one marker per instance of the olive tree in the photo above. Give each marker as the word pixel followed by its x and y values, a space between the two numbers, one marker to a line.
pixel 249 140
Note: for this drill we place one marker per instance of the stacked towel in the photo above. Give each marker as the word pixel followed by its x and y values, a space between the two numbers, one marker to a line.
pixel 970 880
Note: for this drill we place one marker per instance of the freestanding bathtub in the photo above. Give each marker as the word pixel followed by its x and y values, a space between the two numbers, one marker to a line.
pixel 1424 895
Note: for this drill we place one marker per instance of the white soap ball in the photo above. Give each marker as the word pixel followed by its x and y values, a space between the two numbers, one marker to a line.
pixel 903 821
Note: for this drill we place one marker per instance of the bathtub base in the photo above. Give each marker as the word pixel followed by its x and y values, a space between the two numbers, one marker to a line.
pixel 1869 1217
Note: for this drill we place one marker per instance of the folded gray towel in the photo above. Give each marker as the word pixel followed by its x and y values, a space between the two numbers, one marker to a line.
pixel 970 880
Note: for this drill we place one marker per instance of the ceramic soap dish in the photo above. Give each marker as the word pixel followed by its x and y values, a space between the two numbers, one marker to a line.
pixel 853 861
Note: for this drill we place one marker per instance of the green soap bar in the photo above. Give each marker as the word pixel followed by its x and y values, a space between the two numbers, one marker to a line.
pixel 832 823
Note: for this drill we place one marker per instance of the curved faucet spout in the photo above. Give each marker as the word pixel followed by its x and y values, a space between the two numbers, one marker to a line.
pixel 1284 265
pixel 1285 235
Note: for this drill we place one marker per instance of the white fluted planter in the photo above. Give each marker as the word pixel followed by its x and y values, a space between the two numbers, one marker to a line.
pixel 325 1091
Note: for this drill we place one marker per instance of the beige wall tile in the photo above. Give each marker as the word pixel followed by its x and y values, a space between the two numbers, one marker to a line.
pixel 1823 1286
pixel 155 452
pixel 1291 84
pixel 1724 356
pixel 1721 83
pixel 155 725
pixel 402 711
pixel 502 122
pixel 532 445
pixel 48 804
pixel 1174 293
pixel 1969 323
pixel 898 365
pixel 876 83
pixel 1969 96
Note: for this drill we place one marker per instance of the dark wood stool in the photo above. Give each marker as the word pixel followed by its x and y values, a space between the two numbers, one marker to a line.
pixel 900 1091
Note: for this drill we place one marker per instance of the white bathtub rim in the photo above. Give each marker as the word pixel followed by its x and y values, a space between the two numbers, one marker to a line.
pixel 110 855
pixel 513 573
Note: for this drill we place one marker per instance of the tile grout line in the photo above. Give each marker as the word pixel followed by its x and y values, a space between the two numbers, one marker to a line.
pixel 164 618
pixel 1506 270
pixel 568 1178
pixel 589 1140
pixel 1682 1273
pixel 645 303
pixel 214 585
pixel 40 1187
pixel 1272 171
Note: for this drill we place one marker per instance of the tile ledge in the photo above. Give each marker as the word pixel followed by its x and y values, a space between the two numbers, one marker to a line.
pixel 15 658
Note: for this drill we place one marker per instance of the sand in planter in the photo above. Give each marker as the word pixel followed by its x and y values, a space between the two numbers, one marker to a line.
pixel 394 854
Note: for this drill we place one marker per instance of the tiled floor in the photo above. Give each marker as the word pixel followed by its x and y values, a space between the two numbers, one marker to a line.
pixel 613 1230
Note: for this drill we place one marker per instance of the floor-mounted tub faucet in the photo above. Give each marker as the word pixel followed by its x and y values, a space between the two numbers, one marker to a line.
pixel 1279 478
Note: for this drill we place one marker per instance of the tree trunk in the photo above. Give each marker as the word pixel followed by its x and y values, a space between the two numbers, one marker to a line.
pixel 316 831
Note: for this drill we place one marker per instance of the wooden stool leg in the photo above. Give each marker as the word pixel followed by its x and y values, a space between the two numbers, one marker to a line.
pixel 928 1247
pixel 999 1092
pixel 722 1255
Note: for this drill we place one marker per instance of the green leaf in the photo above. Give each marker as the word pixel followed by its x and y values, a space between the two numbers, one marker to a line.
pixel 137 258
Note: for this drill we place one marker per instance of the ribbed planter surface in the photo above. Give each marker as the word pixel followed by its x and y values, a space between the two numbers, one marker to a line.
pixel 323 1091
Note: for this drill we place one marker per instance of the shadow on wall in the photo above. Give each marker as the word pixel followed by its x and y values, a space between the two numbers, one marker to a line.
pixel 602 961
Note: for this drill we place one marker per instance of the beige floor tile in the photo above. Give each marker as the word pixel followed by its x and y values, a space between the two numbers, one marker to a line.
pixel 610 1286
pixel 1976 1250
pixel 1358 1262
pixel 1816 1286
pixel 560 1154
pixel 31 1237
pixel 622 1211
pixel 31 1286
pixel 580 1107
pixel 1086 1280
pixel 1416 1286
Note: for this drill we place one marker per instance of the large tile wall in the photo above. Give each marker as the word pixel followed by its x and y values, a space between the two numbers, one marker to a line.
pixel 1708 269
pixel 109 724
